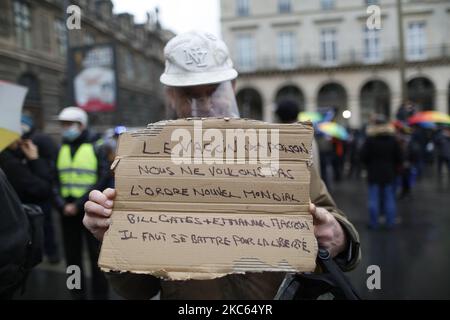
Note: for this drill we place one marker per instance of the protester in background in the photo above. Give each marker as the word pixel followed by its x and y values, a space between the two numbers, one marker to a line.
pixel 382 157
pixel 355 145
pixel 405 181
pixel 325 146
pixel 81 168
pixel 338 158
pixel 416 148
pixel 406 110
pixel 206 89
pixel 443 150
pixel 27 172
pixel 47 151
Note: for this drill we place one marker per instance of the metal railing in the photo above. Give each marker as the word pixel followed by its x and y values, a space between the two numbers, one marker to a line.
pixel 343 58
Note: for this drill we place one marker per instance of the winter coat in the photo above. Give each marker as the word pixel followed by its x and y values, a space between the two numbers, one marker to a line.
pixel 30 179
pixel 382 155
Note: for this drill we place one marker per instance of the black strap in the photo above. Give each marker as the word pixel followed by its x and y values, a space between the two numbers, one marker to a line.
pixel 336 275
pixel 310 286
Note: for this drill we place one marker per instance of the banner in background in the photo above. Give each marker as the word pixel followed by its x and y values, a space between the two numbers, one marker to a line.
pixel 92 70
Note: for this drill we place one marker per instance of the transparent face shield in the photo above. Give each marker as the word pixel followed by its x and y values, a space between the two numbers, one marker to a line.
pixel 212 100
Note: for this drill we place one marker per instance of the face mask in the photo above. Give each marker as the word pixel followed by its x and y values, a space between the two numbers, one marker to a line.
pixel 206 101
pixel 71 133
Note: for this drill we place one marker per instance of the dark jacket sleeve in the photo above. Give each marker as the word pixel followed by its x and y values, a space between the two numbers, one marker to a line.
pixel 58 200
pixel 31 181
pixel 41 169
pixel 103 173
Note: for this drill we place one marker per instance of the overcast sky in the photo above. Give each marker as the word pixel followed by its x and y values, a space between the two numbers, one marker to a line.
pixel 176 15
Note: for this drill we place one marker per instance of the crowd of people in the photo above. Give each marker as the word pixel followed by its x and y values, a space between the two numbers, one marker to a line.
pixel 391 154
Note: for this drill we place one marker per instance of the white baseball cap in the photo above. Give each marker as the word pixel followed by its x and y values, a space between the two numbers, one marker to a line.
pixel 196 58
pixel 74 114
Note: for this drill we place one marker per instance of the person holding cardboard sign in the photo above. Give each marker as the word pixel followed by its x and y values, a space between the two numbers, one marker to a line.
pixel 199 77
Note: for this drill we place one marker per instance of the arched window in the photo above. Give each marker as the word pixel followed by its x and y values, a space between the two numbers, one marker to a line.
pixel 250 104
pixel 421 92
pixel 375 98
pixel 293 93
pixel 332 96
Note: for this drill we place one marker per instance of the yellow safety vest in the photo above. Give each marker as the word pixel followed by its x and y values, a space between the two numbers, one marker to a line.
pixel 77 175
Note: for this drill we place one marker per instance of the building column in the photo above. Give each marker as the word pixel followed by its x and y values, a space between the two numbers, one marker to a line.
pixel 396 101
pixel 267 105
pixel 310 100
pixel 353 105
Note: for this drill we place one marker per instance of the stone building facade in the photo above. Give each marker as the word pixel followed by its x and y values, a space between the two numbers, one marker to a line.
pixel 322 54
pixel 33 52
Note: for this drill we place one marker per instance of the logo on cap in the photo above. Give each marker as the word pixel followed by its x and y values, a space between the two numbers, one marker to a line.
pixel 197 56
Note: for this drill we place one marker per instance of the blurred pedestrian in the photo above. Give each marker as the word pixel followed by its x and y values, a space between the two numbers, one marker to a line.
pixel 338 158
pixel 417 146
pixel 326 154
pixel 48 151
pixel 382 156
pixel 27 172
pixel 354 152
pixel 405 181
pixel 406 110
pixel 443 150
pixel 81 168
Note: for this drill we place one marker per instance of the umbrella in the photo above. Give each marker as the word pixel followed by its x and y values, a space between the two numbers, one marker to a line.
pixel 333 129
pixel 429 117
pixel 11 101
pixel 310 116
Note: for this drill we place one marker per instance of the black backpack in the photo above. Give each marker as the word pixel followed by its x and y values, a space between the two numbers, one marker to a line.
pixel 21 239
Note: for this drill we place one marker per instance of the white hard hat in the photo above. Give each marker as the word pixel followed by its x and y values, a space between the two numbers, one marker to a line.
pixel 196 58
pixel 74 114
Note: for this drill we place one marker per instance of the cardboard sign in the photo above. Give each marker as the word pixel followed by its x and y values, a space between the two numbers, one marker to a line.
pixel 11 103
pixel 205 207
